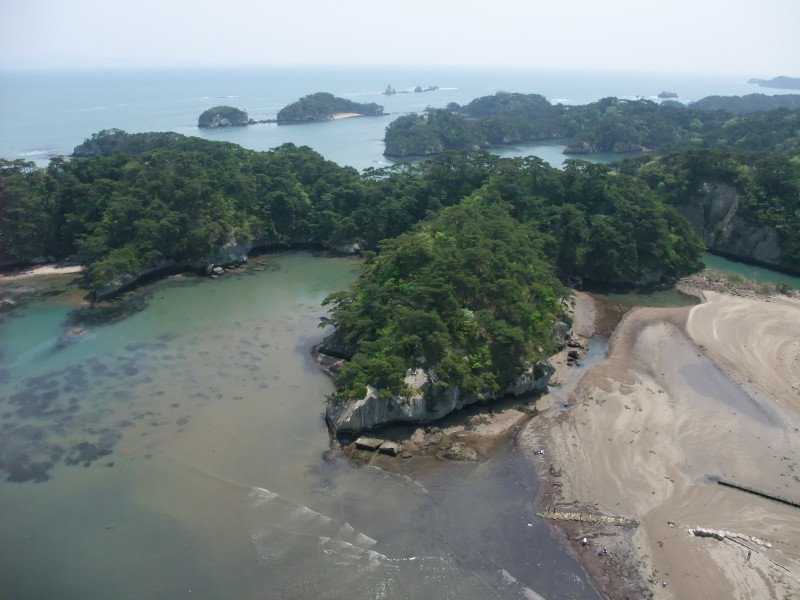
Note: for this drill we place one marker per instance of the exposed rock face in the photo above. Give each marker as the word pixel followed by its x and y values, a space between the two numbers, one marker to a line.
pixel 216 121
pixel 352 248
pixel 223 116
pixel 429 403
pixel 333 345
pixel 234 253
pixel 715 216
pixel 401 150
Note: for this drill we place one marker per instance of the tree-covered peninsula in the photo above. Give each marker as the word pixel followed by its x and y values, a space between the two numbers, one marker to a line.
pixel 609 125
pixel 323 106
pixel 467 253
pixel 781 82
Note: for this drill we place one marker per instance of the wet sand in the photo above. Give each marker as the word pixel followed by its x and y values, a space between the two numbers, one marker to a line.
pixel 685 396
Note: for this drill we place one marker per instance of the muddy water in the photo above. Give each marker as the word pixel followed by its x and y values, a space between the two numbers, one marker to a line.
pixel 178 454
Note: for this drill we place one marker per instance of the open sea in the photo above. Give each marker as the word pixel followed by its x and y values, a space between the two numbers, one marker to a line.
pixel 179 453
pixel 43 113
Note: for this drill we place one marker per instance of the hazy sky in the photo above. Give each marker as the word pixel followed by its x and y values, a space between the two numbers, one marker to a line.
pixel 759 38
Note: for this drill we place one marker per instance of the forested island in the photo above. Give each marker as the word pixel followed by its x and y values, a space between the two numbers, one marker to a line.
pixel 323 106
pixel 223 116
pixel 466 254
pixel 781 82
pixel 609 125
pixel 747 103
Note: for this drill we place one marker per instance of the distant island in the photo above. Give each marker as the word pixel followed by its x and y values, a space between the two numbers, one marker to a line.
pixel 390 91
pixel 223 116
pixel 752 123
pixel 667 95
pixel 323 106
pixel 780 82
pixel 748 103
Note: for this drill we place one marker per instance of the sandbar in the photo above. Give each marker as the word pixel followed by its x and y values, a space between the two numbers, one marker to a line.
pixel 684 397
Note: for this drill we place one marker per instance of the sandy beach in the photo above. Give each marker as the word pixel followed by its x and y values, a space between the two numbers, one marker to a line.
pixel 41 270
pixel 684 397
pixel 346 115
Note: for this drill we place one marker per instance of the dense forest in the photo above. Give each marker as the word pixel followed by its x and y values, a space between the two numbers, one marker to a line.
pixel 323 106
pixel 468 294
pixel 467 253
pixel 768 185
pixel 608 125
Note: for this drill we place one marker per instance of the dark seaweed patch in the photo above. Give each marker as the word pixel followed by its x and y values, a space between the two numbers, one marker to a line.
pixel 75 379
pixel 32 404
pixel 25 456
pixel 24 470
pixel 134 346
pixel 104 313
pixel 87 452
pixel 97 367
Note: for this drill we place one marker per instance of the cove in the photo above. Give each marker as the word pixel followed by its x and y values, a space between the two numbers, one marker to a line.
pixel 712 261
pixel 179 454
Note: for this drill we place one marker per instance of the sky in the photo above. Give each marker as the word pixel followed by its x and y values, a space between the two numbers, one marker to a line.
pixel 757 38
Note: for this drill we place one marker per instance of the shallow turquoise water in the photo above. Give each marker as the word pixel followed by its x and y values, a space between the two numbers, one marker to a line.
pixel 750 271
pixel 179 454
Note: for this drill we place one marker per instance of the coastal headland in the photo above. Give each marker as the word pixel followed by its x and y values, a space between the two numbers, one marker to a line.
pixel 685 397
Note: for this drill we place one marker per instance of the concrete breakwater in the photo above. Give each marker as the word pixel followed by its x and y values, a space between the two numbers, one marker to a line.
pixel 761 493
pixel 589 518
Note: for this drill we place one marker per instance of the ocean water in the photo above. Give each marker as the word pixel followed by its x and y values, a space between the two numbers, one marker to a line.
pixel 43 113
pixel 178 453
